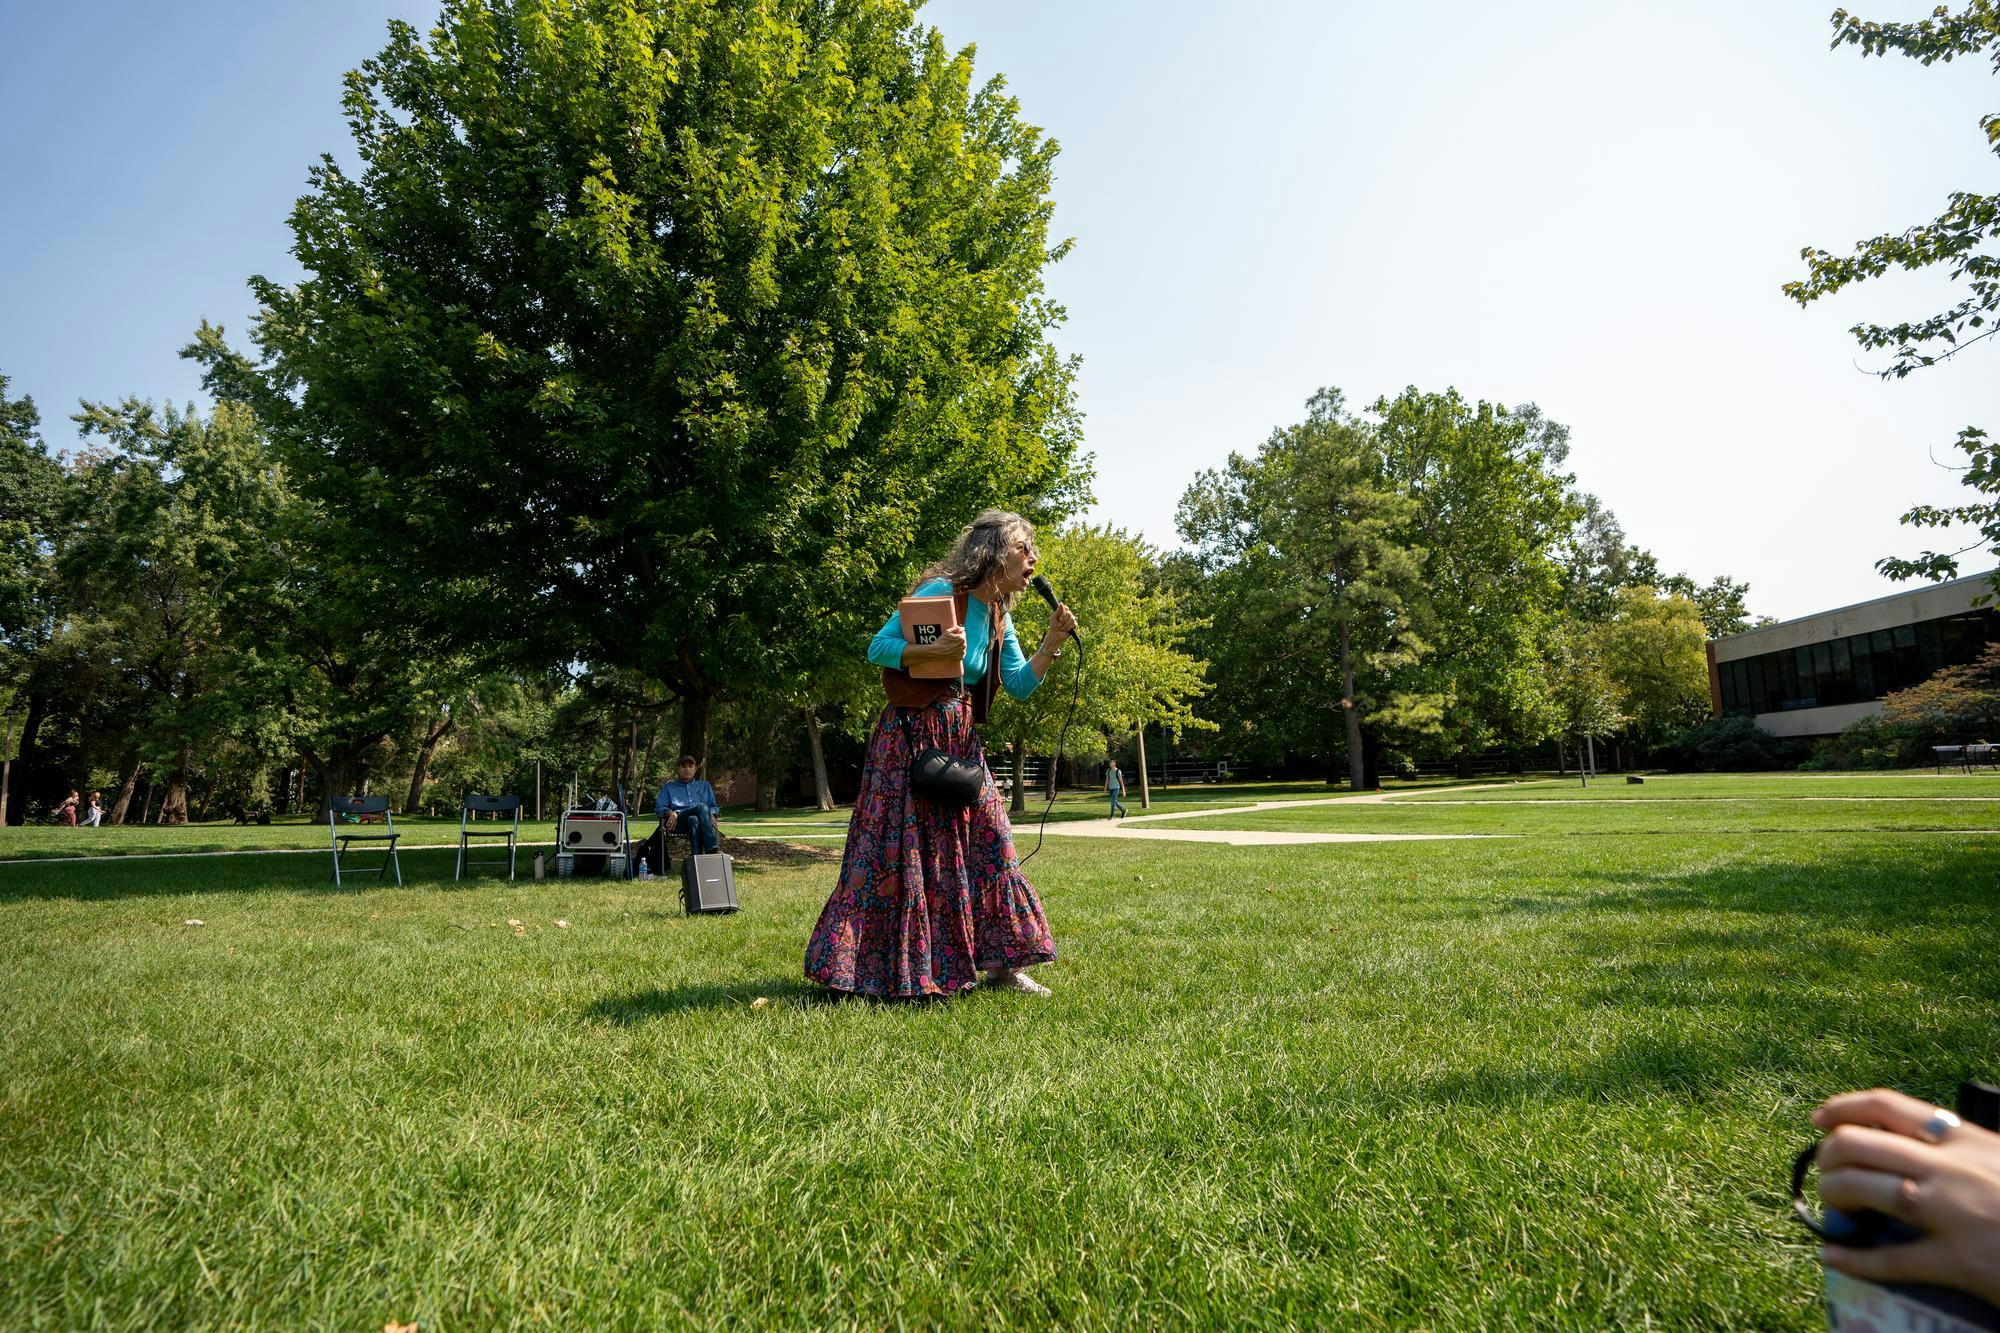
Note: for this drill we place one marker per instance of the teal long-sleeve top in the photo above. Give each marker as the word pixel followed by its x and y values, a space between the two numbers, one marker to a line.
pixel 1016 672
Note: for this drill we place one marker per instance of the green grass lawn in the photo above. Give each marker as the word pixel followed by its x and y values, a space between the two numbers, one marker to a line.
pixel 291 834
pixel 1984 783
pixel 1546 1081
pixel 1612 819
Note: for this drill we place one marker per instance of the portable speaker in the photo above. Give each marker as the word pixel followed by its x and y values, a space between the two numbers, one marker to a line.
pixel 708 883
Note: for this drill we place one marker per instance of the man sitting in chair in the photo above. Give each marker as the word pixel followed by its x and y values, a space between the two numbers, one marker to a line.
pixel 688 806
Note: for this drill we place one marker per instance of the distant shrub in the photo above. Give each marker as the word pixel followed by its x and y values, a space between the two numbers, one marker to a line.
pixel 1872 743
pixel 1728 745
pixel 1958 704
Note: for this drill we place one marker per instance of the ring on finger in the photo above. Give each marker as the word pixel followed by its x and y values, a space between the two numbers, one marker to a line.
pixel 1941 1124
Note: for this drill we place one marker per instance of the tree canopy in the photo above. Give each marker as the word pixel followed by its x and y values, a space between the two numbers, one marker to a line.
pixel 1137 674
pixel 1960 240
pixel 711 312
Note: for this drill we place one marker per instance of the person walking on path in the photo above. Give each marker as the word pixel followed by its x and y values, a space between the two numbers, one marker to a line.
pixel 1114 782
pixel 932 895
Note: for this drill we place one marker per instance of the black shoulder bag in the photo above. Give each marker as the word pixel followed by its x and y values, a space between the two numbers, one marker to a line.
pixel 941 779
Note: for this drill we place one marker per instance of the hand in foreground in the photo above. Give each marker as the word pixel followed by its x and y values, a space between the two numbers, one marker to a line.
pixel 949 648
pixel 1909 1160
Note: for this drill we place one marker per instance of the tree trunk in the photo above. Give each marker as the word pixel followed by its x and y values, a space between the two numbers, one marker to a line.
pixel 822 789
pixel 432 739
pixel 333 773
pixel 1019 804
pixel 119 807
pixel 146 801
pixel 1145 783
pixel 628 761
pixel 1357 768
pixel 1462 762
pixel 174 810
pixel 6 766
pixel 31 726
pixel 694 729
pixel 1562 767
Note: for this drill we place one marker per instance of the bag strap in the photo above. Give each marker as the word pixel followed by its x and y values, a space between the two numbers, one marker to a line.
pixel 909 733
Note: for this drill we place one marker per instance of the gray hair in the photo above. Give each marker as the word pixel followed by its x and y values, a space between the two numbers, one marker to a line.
pixel 979 551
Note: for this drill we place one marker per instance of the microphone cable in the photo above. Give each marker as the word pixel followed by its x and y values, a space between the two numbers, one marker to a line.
pixel 1055 765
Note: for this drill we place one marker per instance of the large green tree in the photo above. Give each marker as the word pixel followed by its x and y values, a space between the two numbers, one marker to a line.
pixel 1131 671
pixel 1651 649
pixel 1961 241
pixel 33 486
pixel 1309 545
pixel 1491 511
pixel 176 533
pixel 648 329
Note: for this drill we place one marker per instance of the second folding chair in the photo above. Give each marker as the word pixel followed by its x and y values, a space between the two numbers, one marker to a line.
pixel 469 832
pixel 362 810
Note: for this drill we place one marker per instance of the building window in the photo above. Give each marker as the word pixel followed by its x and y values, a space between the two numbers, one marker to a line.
pixel 1857 669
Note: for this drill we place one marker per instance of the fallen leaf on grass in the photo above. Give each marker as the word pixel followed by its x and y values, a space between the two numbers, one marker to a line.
pixel 760 1002
pixel 513 921
pixel 393 1327
pixel 194 921
pixel 561 924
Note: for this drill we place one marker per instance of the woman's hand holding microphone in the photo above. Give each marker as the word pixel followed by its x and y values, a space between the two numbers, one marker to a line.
pixel 1062 627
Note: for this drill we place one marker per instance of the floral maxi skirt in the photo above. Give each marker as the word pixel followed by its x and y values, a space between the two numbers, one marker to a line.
pixel 929 895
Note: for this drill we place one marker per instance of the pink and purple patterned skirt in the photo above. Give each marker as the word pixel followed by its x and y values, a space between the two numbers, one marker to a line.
pixel 929 896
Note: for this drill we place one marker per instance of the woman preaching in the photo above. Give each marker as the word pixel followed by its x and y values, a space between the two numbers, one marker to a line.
pixel 931 894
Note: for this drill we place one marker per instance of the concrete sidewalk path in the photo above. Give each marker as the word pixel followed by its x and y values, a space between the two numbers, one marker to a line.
pixel 1123 828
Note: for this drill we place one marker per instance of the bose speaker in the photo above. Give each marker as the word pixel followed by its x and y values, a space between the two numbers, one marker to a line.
pixel 708 883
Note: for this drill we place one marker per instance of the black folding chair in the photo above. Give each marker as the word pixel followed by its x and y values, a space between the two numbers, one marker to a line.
pixel 476 804
pixel 359 806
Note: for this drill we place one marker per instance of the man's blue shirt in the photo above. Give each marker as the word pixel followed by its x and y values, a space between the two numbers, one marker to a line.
pixel 678 796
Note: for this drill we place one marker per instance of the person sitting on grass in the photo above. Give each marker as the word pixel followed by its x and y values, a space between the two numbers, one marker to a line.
pixel 1910 1160
pixel 688 805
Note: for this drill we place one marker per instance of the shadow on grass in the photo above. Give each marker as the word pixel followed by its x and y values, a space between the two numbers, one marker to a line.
pixel 662 1001
pixel 240 872
pixel 1817 972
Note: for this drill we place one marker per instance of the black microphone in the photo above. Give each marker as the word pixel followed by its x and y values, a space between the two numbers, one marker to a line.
pixel 1041 585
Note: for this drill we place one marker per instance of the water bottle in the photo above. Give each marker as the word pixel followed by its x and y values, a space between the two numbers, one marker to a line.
pixel 644 871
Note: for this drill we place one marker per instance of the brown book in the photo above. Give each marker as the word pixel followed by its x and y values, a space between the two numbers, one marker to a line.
pixel 925 620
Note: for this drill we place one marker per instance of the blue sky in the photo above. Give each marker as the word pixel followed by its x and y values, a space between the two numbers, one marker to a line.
pixel 1589 206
